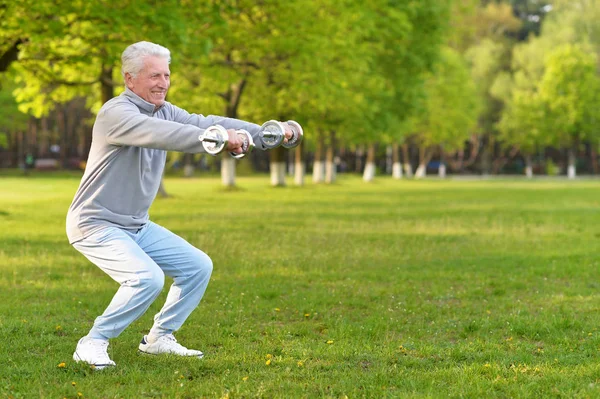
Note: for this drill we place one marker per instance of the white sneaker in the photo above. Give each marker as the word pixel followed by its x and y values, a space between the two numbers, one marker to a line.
pixel 93 352
pixel 167 344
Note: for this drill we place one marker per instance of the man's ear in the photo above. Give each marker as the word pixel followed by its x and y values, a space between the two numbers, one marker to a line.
pixel 129 80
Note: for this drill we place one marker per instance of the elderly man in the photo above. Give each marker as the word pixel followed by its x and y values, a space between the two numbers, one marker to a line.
pixel 108 219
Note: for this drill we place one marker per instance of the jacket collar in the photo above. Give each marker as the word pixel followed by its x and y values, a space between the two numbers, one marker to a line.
pixel 140 102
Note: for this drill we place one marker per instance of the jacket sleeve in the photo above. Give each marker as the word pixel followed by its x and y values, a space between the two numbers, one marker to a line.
pixel 204 122
pixel 124 125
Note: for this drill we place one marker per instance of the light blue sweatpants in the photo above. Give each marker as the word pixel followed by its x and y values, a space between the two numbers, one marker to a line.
pixel 139 262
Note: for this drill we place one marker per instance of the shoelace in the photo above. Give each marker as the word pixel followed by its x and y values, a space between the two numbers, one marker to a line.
pixel 100 348
pixel 173 342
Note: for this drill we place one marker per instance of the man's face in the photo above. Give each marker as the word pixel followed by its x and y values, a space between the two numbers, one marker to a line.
pixel 152 83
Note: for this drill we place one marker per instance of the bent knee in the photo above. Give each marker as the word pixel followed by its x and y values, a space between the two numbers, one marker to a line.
pixel 205 265
pixel 154 282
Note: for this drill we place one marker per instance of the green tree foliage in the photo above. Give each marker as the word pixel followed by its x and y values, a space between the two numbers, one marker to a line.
pixel 439 124
pixel 72 48
pixel 570 87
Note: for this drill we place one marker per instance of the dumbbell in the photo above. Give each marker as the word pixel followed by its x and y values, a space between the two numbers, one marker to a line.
pixel 247 144
pixel 272 134
pixel 215 139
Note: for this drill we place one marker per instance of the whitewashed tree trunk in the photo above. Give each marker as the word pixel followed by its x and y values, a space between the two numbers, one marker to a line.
pixel 408 170
pixel 442 171
pixel 528 167
pixel 571 172
pixel 228 171
pixel 291 163
pixel 406 158
pixel 330 172
pixel 360 152
pixel 299 168
pixel 397 170
pixel 330 168
pixel 389 159
pixel 318 165
pixel 421 171
pixel 277 173
pixel 318 172
pixel 369 173
pixel 396 165
pixel 188 170
pixel 188 165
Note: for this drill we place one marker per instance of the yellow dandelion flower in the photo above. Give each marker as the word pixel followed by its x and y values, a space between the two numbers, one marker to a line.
pixel 245 378
pixel 300 364
pixel 277 309
pixel 487 365
pixel 269 356
pixel 509 339
pixel 330 342
pixel 62 365
pixel 306 314
pixel 58 328
pixel 268 362
pixel 79 394
pixel 73 383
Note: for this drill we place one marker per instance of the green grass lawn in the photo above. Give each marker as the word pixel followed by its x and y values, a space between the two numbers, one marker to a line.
pixel 390 289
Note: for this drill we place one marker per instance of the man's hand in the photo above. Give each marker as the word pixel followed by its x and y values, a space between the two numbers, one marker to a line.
pixel 288 132
pixel 235 142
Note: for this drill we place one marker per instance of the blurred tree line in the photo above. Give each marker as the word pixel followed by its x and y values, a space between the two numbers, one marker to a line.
pixel 395 86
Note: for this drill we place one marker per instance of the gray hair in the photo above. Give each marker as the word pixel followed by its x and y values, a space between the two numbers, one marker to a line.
pixel 132 59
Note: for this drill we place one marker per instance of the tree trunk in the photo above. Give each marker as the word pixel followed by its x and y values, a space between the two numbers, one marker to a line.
pixel 424 158
pixel 228 171
pixel 406 156
pixel 188 165
pixel 318 167
pixel 389 162
pixel 291 164
pixel 330 174
pixel 277 167
pixel 442 171
pixel 300 167
pixel 62 134
pixel 232 101
pixel 360 152
pixel 369 173
pixel 528 166
pixel 107 88
pixel 571 172
pixel 442 168
pixel 44 138
pixel 396 165
pixel 594 156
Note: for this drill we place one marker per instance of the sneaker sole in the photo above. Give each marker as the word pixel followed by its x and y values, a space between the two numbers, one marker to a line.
pixel 173 354
pixel 95 366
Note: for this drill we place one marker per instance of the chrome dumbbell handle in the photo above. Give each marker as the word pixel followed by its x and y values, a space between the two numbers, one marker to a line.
pixel 214 139
pixel 272 134
pixel 247 144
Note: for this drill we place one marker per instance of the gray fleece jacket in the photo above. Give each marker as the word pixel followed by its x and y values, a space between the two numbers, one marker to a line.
pixel 130 140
